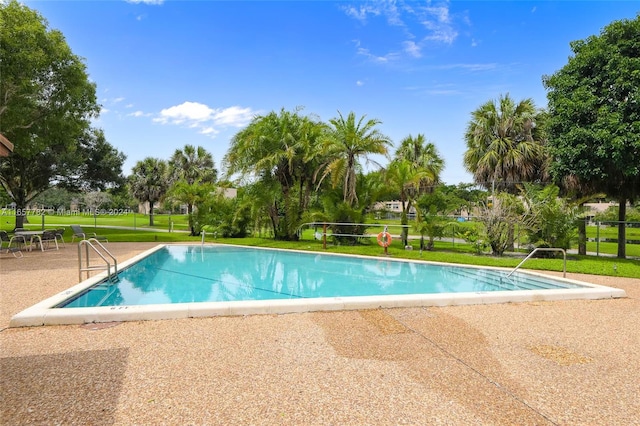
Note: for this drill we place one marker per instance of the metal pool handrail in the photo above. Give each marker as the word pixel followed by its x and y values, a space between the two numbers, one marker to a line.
pixel 89 243
pixel 564 254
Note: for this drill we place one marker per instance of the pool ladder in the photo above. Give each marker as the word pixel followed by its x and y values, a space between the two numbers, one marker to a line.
pixel 101 251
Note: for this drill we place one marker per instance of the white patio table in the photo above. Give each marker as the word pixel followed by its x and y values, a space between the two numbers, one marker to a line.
pixel 31 235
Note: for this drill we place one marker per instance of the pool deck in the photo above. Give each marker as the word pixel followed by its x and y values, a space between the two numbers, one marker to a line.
pixel 574 362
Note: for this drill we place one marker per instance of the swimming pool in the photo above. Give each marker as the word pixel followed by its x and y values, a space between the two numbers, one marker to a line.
pixel 179 281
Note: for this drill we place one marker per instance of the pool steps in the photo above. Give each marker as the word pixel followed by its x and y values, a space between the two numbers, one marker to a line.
pixel 489 277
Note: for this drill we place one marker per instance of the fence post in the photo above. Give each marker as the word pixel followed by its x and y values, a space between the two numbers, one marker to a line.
pixel 453 236
pixel 324 236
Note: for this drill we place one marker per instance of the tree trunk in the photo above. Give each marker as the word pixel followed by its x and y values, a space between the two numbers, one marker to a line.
pixel 511 242
pixel 190 216
pixel 273 215
pixel 150 213
pixel 622 236
pixel 582 236
pixel 20 198
pixel 20 216
pixel 288 222
pixel 405 231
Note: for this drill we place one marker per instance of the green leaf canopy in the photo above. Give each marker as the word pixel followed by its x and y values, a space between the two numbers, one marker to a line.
pixel 594 123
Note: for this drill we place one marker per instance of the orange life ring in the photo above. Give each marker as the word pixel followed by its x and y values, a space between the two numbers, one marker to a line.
pixel 384 239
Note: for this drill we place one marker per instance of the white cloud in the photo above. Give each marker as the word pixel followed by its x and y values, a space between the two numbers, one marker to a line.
pixel 444 92
pixel 209 131
pixel 360 13
pixel 438 23
pixel 440 12
pixel 139 114
pixel 365 52
pixel 206 120
pixel 185 112
pixel 470 67
pixel 145 1
pixel 412 48
pixel 443 35
pixel 393 15
pixel 419 25
pixel 233 116
pixel 112 101
pixel 359 83
pixel 374 58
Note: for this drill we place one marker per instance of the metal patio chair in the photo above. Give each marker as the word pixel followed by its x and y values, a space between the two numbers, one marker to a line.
pixel 78 232
pixel 48 238
pixel 10 248
pixel 60 236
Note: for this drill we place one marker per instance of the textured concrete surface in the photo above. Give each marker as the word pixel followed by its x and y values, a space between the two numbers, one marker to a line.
pixel 535 363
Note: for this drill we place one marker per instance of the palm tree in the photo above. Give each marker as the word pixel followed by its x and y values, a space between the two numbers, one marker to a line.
pixel 260 201
pixel 192 195
pixel 403 177
pixel 414 171
pixel 193 164
pixel 191 167
pixel 349 140
pixel 277 147
pixel 505 144
pixel 425 157
pixel 149 181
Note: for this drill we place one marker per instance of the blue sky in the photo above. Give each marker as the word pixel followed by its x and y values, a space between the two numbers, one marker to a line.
pixel 171 73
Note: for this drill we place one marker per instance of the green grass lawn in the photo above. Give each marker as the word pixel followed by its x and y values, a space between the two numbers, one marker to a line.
pixel 633 250
pixel 609 231
pixel 161 222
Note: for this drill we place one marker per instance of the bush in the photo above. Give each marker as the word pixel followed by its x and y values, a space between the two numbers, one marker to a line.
pixel 223 217
pixel 549 220
pixel 498 221
pixel 354 218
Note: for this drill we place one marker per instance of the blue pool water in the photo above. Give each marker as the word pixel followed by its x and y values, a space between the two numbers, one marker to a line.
pixel 185 274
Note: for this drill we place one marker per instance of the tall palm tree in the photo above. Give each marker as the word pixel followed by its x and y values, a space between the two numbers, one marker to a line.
pixel 415 170
pixel 506 145
pixel 149 181
pixel 348 141
pixel 190 168
pixel 193 164
pixel 403 177
pixel 423 156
